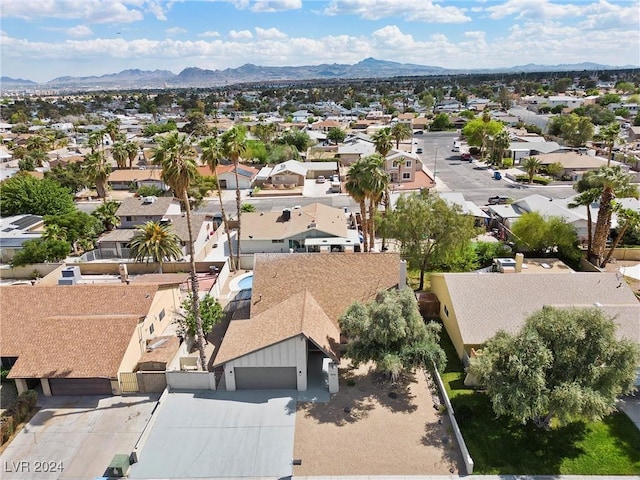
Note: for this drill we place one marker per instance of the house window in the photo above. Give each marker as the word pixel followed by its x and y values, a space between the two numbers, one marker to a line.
pixel 406 175
pixel 446 311
pixel 407 164
pixel 277 241
pixel 161 315
pixel 128 218
pixel 151 329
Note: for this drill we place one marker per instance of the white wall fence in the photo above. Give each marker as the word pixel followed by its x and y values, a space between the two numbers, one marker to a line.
pixel 181 380
pixel 466 456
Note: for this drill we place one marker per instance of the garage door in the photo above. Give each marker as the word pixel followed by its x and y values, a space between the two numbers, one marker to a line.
pixel 265 378
pixel 80 386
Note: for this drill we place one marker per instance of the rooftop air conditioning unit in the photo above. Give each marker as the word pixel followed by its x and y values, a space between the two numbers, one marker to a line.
pixel 70 276
pixel 148 200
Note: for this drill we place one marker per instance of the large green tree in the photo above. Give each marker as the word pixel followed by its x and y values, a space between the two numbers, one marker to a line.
pixel 210 311
pixel 535 233
pixel 565 364
pixel 22 194
pixel 41 250
pixel 80 229
pixel 575 130
pixel 177 156
pixel 336 135
pixel 430 231
pixel 478 130
pixel 391 333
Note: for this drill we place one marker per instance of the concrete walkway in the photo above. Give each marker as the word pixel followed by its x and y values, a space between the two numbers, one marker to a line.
pixel 630 405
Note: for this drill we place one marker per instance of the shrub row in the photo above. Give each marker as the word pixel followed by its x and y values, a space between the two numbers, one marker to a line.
pixel 16 413
pixel 537 179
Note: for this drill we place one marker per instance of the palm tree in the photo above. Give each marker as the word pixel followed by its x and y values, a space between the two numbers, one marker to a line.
pixel 500 143
pixel 132 152
pixel 383 141
pixel 211 155
pixel 628 219
pixel 588 194
pixel 96 140
pixel 37 142
pixel 106 213
pixel 531 165
pixel 155 242
pixel 120 154
pixel 98 171
pixel 376 183
pixel 355 186
pixel 612 182
pixel 234 147
pixel 113 129
pixel 400 131
pixel 176 155
pixel 53 231
pixel 609 135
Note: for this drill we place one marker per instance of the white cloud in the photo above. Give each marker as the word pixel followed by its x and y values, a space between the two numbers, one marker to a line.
pixel 276 5
pixel 269 33
pixel 533 9
pixel 240 35
pixel 210 33
pixel 175 31
pixel 427 11
pixel 79 31
pixel 91 11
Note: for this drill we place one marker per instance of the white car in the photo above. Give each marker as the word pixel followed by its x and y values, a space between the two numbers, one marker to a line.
pixel 455 148
pixel 321 179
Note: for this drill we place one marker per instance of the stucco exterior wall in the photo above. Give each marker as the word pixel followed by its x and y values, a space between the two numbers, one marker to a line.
pixel 447 312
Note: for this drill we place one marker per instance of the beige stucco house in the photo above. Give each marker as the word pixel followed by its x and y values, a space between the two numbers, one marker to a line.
pixel 77 339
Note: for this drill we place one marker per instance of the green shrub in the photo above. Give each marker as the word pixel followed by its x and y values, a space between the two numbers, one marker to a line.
pixel 536 179
pixel 3 374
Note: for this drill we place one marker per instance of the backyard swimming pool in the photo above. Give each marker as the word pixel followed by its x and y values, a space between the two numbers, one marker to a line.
pixel 246 283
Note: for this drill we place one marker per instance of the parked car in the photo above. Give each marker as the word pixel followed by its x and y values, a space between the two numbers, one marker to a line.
pixel 455 148
pixel 418 132
pixel 466 156
pixel 321 179
pixel 498 200
pixel 418 150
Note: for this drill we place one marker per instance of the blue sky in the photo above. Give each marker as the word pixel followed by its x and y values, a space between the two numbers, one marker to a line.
pixel 44 39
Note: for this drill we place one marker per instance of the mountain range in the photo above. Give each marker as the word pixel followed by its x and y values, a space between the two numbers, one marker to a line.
pixel 197 77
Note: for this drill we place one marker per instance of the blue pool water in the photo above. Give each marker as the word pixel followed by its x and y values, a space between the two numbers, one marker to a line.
pixel 246 283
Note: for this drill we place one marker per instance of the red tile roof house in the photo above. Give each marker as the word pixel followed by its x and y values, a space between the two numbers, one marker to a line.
pixel 227 176
pixel 77 339
pixel 292 332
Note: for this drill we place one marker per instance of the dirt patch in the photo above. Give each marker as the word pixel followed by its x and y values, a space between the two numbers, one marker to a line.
pixel 375 427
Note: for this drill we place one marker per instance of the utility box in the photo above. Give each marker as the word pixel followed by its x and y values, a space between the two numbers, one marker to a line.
pixel 119 466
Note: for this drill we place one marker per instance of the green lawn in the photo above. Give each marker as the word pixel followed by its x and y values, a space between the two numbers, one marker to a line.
pixel 500 446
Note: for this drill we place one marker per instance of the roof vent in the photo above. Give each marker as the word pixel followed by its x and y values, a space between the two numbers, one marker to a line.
pixel 286 214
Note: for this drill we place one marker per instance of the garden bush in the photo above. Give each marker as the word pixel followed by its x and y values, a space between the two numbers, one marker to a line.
pixel 6 428
pixel 17 413
pixel 537 179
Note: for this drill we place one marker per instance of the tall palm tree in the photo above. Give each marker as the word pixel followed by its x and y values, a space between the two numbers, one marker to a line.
pixel 376 183
pixel 500 143
pixel 609 134
pixel 37 142
pixel 234 146
pixel 400 131
pixel 176 155
pixel 612 182
pixel 155 242
pixel 383 141
pixel 355 186
pixel 113 129
pixel 211 155
pixel 531 165
pixel 98 170
pixel 96 140
pixel 588 194
pixel 132 152
pixel 120 154
pixel 628 219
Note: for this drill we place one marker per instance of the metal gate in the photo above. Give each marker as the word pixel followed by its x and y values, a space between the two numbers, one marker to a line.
pixel 129 382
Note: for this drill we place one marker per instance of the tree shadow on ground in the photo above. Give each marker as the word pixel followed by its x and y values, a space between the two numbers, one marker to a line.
pixel 626 434
pixel 440 434
pixel 359 392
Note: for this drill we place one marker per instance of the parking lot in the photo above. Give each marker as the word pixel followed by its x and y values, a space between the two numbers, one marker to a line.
pixel 76 437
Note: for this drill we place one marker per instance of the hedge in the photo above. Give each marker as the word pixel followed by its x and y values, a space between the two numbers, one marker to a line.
pixel 536 179
pixel 17 413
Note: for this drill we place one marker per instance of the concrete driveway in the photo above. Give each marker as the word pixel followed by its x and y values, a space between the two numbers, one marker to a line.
pixel 630 404
pixel 220 434
pixel 76 437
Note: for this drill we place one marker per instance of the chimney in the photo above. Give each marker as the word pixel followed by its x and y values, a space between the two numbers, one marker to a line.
pixel 402 282
pixel 124 274
pixel 519 260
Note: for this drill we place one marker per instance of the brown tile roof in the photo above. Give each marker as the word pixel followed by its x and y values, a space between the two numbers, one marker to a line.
pixel 132 206
pixel 180 227
pixel 486 303
pixel 299 314
pixel 70 331
pixel 335 280
pixel 328 221
pixel 164 350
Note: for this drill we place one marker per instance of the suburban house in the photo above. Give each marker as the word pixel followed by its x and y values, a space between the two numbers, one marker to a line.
pixel 77 339
pixel 402 166
pixel 293 173
pixel 227 176
pixel 142 177
pixel 467 207
pixel 16 230
pixel 475 306
pixel 312 228
pixel 575 164
pixel 520 150
pixel 291 338
pixel 135 211
pixel 354 149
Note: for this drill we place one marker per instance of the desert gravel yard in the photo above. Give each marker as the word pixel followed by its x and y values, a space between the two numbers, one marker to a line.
pixel 372 427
